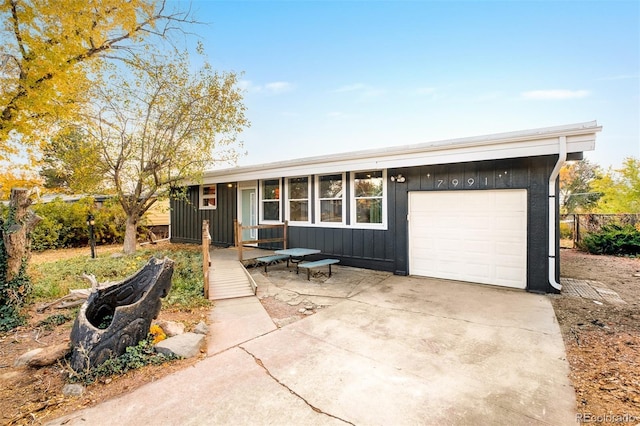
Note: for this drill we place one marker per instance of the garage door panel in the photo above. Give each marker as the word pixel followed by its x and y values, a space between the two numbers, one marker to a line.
pixel 477 236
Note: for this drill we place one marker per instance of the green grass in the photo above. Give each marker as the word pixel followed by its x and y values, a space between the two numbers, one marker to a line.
pixel 54 279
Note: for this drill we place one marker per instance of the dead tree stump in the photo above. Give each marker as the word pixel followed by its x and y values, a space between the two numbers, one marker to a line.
pixel 15 231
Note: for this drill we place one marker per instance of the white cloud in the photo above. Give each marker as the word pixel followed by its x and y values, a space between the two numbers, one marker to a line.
pixel 278 87
pixel 557 94
pixel 245 85
pixel 273 88
pixel 363 91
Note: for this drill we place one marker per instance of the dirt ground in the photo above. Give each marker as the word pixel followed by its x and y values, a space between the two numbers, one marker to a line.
pixel 602 341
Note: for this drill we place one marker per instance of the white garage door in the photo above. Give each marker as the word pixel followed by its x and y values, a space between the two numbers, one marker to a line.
pixel 476 236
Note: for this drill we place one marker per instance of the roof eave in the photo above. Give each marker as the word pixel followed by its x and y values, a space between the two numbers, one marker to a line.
pixel 536 142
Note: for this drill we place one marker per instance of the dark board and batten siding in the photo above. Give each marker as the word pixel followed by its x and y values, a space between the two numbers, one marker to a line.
pixel 531 174
pixel 387 250
pixel 187 217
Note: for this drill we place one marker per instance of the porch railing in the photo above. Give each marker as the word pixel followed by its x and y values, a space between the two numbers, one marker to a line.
pixel 206 261
pixel 239 242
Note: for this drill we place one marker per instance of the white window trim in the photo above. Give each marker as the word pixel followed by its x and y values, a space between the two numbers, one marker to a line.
pixel 202 197
pixel 288 200
pixel 352 202
pixel 261 219
pixel 318 210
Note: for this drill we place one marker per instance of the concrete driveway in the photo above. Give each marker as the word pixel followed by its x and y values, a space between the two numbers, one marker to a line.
pixel 390 351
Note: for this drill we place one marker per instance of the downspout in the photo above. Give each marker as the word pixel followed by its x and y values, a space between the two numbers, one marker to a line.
pixel 553 254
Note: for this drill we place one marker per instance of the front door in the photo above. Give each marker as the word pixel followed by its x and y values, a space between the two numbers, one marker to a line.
pixel 249 214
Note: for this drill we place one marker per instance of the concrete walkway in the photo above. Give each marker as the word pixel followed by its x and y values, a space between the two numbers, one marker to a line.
pixel 385 351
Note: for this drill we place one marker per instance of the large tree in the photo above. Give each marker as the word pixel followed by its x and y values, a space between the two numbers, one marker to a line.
pixel 52 52
pixel 620 188
pixel 575 187
pixel 156 125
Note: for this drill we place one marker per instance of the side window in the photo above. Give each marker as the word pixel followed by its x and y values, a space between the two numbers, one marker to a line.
pixel 330 202
pixel 368 198
pixel 270 200
pixel 208 197
pixel 298 192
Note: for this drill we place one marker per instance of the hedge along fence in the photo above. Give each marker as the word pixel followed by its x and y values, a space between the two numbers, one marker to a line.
pixel 576 227
pixel 64 224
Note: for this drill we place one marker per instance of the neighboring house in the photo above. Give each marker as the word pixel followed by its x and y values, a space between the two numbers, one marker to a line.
pixel 158 220
pixel 480 209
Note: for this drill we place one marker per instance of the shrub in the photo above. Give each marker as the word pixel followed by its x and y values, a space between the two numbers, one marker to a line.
pixel 613 239
pixel 134 357
pixel 65 224
pixel 566 231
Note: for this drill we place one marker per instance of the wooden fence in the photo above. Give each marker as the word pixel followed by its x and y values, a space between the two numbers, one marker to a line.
pixel 239 242
pixel 573 227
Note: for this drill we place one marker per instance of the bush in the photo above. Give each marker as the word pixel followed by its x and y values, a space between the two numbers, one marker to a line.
pixel 566 231
pixel 65 224
pixel 613 239
pixel 134 357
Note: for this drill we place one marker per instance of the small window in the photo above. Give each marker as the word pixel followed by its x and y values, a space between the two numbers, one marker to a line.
pixel 208 197
pixel 368 192
pixel 298 199
pixel 330 198
pixel 270 200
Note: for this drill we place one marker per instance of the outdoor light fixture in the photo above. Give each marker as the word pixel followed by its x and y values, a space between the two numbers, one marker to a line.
pixel 92 236
pixel 398 178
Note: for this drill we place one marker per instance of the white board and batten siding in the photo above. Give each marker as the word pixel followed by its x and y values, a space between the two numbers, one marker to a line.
pixel 474 236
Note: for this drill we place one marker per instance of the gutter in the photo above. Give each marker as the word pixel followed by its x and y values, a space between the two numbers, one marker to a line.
pixel 553 254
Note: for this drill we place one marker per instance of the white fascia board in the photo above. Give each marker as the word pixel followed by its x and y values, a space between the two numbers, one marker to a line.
pixel 537 142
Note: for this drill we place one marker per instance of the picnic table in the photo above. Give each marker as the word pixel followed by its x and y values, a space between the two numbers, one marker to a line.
pixel 297 255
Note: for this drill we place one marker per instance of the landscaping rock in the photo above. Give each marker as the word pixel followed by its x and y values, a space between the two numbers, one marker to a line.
pixel 171 328
pixel 201 328
pixel 72 390
pixel 185 345
pixel 50 355
pixel 26 357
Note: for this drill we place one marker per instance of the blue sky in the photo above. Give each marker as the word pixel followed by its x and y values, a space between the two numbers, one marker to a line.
pixel 323 77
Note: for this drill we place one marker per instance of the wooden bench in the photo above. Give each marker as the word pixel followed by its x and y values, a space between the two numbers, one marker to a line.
pixel 270 260
pixel 316 264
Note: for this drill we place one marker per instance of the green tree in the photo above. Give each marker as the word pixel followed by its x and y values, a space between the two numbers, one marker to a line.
pixel 70 163
pixel 575 187
pixel 52 53
pixel 620 188
pixel 157 125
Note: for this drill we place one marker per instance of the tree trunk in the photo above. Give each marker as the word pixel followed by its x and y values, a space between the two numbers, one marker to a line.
pixel 15 233
pixel 130 235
